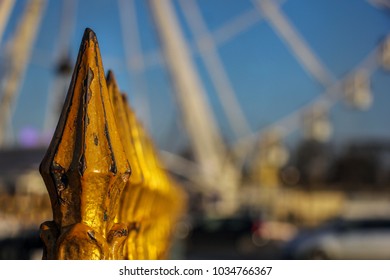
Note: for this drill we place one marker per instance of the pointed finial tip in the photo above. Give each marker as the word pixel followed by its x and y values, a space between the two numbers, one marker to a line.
pixel 89 34
pixel 110 76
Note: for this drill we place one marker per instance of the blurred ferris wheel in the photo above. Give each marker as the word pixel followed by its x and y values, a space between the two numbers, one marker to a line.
pixel 219 118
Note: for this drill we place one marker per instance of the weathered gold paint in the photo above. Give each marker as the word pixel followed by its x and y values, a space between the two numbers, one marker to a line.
pixel 99 210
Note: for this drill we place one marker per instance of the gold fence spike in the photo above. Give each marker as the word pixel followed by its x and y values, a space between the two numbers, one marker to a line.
pixel 165 211
pixel 85 168
pixel 135 184
pixel 137 177
pixel 134 128
pixel 99 210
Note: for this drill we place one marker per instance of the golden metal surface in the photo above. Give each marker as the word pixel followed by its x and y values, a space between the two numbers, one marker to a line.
pixel 99 210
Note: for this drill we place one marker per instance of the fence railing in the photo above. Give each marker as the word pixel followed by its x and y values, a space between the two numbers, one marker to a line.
pixel 110 196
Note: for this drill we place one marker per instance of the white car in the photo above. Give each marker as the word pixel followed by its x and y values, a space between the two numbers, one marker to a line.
pixel 344 240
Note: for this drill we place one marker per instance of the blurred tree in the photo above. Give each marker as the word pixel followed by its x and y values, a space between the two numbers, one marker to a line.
pixel 312 160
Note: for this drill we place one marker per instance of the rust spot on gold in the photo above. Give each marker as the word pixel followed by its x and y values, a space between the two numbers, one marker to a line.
pixel 95 139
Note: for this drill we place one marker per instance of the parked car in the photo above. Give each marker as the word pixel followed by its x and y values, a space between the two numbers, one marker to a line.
pixel 342 239
pixel 225 238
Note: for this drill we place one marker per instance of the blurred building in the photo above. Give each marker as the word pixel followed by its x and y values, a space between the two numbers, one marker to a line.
pixel 25 203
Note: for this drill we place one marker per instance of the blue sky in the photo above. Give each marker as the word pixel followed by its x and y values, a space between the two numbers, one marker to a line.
pixel 267 79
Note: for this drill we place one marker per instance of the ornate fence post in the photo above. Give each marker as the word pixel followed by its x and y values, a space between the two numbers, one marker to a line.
pixel 101 209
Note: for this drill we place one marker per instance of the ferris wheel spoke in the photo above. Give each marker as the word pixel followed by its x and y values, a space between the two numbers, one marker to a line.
pixel 295 41
pixel 134 57
pixel 330 96
pixel 207 49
